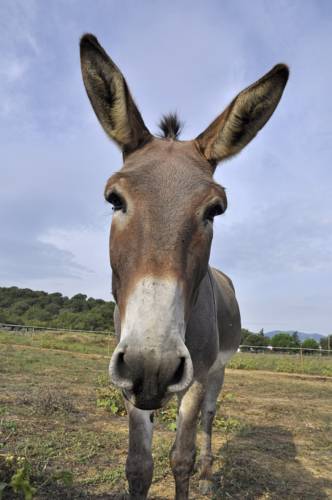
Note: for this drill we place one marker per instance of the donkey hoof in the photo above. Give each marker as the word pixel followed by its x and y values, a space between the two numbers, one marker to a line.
pixel 205 486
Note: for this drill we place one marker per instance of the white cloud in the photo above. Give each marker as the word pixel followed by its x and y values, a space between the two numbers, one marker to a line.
pixel 191 57
pixel 13 70
pixel 90 247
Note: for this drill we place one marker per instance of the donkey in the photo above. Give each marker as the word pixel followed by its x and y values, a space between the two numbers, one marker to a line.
pixel 176 319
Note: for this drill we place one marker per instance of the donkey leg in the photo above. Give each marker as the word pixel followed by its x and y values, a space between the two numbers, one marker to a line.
pixel 184 448
pixel 209 406
pixel 139 466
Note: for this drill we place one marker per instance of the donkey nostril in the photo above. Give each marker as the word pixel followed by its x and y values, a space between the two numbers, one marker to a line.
pixel 120 359
pixel 178 375
pixel 120 371
pixel 121 365
pixel 182 376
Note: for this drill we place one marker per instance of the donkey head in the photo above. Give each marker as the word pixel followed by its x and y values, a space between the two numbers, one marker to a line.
pixel 164 200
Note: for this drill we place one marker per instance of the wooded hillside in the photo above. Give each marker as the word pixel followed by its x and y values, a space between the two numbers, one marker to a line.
pixel 28 307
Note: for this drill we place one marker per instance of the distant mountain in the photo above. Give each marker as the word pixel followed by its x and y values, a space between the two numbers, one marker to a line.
pixel 302 335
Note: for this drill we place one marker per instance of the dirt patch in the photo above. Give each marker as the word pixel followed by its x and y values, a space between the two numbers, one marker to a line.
pixel 48 401
pixel 272 437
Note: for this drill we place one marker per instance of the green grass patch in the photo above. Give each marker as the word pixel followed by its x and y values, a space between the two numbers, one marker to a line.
pixel 110 398
pixel 288 363
pixel 85 343
pixel 58 412
pixel 15 477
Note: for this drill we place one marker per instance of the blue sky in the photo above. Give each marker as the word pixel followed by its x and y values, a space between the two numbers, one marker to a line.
pixel 275 238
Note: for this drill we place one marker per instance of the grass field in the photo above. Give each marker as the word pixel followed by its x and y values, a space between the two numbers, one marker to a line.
pixel 287 363
pixel 77 342
pixel 104 345
pixel 63 436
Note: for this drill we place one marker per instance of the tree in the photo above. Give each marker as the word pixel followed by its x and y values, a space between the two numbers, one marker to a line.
pixel 296 337
pixel 285 340
pixel 256 341
pixel 78 303
pixel 3 317
pixel 309 344
pixel 326 343
pixel 27 307
pixel 244 334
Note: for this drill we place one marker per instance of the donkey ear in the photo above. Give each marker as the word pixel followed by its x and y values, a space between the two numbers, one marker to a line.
pixel 244 117
pixel 110 97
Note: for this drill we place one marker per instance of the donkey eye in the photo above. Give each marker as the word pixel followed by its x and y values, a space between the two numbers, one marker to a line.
pixel 212 211
pixel 117 201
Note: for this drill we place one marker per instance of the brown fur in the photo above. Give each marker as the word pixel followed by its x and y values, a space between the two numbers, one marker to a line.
pixel 110 97
pixel 166 241
pixel 163 229
pixel 244 117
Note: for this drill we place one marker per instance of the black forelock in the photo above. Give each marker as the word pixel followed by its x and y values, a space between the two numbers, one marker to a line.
pixel 170 126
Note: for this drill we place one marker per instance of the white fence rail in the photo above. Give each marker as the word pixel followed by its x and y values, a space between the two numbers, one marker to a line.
pixel 300 350
pixel 33 328
pixel 242 348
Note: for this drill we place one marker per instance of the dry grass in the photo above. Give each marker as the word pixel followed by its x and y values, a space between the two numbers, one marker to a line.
pixel 310 364
pixel 272 436
pixel 47 401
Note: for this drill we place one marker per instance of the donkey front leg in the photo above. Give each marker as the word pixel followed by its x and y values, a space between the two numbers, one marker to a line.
pixel 214 385
pixel 184 449
pixel 139 466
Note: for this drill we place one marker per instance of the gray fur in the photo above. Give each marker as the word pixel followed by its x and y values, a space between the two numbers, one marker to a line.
pixel 214 327
pixel 177 320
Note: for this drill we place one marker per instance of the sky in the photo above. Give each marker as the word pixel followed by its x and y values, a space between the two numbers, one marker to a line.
pixel 192 57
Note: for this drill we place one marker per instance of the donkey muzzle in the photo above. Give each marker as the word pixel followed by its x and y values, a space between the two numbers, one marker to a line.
pixel 149 376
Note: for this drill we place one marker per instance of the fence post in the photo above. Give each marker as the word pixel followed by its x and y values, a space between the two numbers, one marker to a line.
pixel 301 355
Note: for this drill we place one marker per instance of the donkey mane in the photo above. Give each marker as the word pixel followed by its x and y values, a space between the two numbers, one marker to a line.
pixel 170 126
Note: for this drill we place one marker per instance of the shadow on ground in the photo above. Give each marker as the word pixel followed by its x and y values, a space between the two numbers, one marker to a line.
pixel 258 462
pixel 261 462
